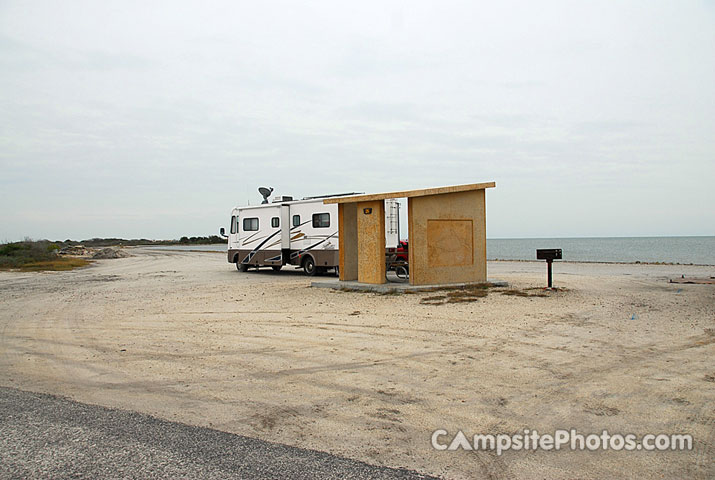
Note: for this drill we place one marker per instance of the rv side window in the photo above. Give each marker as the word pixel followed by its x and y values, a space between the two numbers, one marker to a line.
pixel 233 224
pixel 274 222
pixel 321 220
pixel 296 220
pixel 250 224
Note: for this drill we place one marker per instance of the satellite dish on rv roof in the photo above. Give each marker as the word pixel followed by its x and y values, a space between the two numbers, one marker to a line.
pixel 265 193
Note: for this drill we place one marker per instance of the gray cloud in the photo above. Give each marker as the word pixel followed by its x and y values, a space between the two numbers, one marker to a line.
pixel 135 119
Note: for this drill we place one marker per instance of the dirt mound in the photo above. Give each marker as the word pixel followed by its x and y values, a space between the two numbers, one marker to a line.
pixel 107 253
pixel 74 250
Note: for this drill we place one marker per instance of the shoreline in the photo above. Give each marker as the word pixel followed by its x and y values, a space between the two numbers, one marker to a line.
pixel 605 262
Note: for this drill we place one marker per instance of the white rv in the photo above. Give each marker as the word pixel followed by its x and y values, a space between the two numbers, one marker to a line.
pixel 303 233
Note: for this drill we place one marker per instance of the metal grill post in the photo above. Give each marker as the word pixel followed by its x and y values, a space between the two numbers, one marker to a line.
pixel 548 254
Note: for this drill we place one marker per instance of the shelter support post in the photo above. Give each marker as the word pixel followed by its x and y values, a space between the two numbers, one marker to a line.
pixel 348 241
pixel 371 241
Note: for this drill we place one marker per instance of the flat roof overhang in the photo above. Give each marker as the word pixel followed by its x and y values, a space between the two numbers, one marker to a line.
pixel 411 193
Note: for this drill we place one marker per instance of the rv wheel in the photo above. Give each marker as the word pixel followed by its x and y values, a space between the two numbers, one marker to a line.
pixel 309 266
pixel 241 267
pixel 277 268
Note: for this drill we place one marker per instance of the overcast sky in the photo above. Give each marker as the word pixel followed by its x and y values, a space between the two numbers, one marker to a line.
pixel 153 119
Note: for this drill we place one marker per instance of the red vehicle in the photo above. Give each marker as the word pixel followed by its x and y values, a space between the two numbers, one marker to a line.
pixel 401 251
pixel 397 260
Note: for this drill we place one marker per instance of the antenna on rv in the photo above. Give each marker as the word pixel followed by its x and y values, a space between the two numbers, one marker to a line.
pixel 265 193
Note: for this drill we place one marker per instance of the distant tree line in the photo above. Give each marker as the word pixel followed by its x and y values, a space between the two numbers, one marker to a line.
pixel 201 240
pixel 31 252
pixel 17 253
pixel 109 242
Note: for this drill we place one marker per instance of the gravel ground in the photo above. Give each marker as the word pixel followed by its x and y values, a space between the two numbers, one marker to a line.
pixel 45 436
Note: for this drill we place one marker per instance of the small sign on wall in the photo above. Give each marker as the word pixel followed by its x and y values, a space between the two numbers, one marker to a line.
pixel 367 211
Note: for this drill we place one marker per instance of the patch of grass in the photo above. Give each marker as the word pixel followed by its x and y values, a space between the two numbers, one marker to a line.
pixel 553 289
pixel 522 293
pixel 59 264
pixel 515 293
pixel 29 256
pixel 17 254
pixel 462 294
pixel 434 300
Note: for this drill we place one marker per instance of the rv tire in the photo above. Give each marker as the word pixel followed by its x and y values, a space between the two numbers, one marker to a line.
pixel 277 268
pixel 241 267
pixel 309 266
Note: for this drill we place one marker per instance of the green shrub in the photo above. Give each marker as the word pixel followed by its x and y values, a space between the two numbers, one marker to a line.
pixel 14 255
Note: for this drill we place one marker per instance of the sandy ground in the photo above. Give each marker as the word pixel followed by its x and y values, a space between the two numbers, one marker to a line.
pixel 185 337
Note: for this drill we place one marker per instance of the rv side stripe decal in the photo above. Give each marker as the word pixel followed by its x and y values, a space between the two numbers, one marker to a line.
pixel 253 252
pixel 301 252
pixel 250 237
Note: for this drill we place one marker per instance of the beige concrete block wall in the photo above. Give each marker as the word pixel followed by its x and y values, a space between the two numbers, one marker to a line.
pixel 371 241
pixel 447 235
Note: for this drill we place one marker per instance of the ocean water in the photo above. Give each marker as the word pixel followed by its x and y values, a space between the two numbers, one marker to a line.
pixel 696 250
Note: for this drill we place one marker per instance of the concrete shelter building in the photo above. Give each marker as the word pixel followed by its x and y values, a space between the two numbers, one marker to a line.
pixel 446 229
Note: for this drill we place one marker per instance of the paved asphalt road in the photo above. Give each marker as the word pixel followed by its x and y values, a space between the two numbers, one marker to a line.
pixel 43 436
